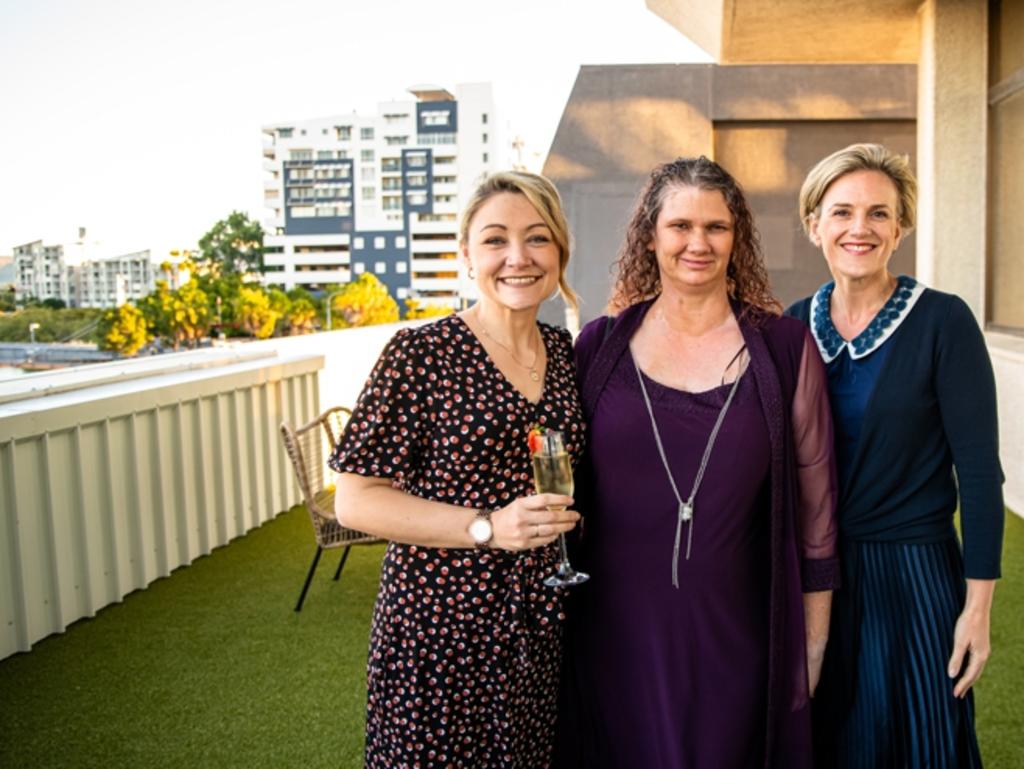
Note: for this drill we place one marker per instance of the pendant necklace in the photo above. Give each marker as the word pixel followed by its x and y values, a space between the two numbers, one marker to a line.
pixel 532 368
pixel 685 510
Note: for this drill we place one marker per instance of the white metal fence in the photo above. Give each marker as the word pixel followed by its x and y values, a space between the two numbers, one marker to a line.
pixel 107 488
pixel 114 475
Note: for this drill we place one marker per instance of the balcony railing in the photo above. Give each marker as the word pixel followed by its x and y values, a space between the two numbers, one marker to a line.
pixel 115 474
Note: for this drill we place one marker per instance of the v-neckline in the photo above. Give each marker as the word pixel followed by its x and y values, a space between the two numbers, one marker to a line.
pixel 493 364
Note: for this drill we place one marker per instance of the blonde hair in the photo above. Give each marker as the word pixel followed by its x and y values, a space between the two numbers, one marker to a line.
pixel 542 196
pixel 860 157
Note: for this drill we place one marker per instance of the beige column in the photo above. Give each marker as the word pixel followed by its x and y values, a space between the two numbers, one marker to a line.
pixel 952 148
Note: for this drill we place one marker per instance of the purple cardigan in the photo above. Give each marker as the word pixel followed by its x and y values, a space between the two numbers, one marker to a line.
pixel 776 347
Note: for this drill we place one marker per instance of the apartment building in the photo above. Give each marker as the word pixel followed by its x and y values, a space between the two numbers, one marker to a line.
pixel 378 193
pixel 112 281
pixel 40 272
pixel 72 273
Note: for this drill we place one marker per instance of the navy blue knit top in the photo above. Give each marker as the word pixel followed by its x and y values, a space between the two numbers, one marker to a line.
pixel 913 398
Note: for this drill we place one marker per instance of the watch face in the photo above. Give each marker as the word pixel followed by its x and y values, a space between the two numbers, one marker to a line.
pixel 480 530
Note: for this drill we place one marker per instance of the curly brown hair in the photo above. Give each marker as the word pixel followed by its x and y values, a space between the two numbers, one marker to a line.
pixel 637 275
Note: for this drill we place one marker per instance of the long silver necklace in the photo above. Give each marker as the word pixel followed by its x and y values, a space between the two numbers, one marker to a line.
pixel 532 368
pixel 685 510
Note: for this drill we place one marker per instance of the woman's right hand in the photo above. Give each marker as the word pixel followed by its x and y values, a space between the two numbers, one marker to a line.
pixel 529 522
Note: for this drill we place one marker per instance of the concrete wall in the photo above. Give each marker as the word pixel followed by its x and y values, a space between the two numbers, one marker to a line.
pixel 348 357
pixel 766 124
pixel 954 206
pixel 1008 362
pixel 953 148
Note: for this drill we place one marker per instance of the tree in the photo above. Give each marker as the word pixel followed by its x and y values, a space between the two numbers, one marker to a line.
pixel 157 307
pixel 254 312
pixel 223 292
pixel 279 300
pixel 123 330
pixel 8 301
pixel 300 317
pixel 363 302
pixel 234 244
pixel 414 310
pixel 190 314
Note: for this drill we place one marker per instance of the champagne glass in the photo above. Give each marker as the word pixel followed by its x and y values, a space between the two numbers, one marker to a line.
pixel 552 474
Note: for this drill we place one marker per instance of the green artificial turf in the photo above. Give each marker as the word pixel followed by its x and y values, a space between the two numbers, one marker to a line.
pixel 212 668
pixel 998 695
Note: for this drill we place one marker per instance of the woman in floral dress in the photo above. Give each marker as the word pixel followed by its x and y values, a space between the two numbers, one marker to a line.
pixel 466 640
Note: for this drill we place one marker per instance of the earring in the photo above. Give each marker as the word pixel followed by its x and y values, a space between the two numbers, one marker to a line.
pixel 472 275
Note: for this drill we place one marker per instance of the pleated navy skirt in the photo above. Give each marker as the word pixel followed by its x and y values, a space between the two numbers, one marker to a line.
pixel 885 701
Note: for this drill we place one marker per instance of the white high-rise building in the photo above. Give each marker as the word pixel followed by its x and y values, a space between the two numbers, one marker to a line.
pixel 112 281
pixel 378 193
pixel 75 274
pixel 40 273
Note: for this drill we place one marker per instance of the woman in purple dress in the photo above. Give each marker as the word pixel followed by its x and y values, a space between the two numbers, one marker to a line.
pixel 709 494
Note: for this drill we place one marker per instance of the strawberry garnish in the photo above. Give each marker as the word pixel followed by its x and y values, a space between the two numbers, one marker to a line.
pixel 533 439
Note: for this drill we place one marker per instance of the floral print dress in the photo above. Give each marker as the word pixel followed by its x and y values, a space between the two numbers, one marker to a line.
pixel 465 644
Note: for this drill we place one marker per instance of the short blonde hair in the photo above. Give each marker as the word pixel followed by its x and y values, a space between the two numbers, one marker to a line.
pixel 542 196
pixel 860 157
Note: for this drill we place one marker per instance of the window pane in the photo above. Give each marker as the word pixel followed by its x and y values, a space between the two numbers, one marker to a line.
pixel 1006 27
pixel 1006 226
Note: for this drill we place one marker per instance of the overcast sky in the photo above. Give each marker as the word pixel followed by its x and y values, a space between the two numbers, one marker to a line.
pixel 140 120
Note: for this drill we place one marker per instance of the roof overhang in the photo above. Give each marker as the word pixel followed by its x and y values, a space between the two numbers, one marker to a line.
pixel 797 31
pixel 431 93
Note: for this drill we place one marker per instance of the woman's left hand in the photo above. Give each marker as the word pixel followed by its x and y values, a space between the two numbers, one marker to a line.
pixel 971 636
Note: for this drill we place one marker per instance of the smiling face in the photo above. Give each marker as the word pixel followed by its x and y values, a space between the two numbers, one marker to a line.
pixel 857 226
pixel 693 238
pixel 512 252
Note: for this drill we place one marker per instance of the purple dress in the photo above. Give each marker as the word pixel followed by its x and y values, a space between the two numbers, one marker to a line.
pixel 698 677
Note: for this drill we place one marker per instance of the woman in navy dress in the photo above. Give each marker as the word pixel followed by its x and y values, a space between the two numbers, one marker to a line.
pixel 708 495
pixel 466 639
pixel 913 399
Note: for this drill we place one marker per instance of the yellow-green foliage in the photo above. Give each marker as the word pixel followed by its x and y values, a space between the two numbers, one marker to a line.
pixel 190 314
pixel 363 302
pixel 414 310
pixel 254 312
pixel 300 316
pixel 124 330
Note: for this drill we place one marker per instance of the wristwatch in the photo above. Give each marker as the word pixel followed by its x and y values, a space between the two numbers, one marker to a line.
pixel 481 529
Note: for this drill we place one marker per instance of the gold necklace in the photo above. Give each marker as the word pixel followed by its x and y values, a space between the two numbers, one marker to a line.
pixel 532 368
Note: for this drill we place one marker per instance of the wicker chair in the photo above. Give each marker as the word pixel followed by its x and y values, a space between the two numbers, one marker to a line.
pixel 309 446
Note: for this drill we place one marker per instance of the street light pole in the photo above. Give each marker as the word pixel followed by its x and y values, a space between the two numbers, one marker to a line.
pixel 32 332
